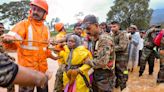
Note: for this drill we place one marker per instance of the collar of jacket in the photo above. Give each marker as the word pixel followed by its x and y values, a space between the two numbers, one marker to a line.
pixel 116 33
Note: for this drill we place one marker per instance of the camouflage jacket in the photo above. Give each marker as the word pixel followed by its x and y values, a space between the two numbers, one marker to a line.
pixel 121 45
pixel 8 69
pixel 148 40
pixel 104 53
pixel 1 48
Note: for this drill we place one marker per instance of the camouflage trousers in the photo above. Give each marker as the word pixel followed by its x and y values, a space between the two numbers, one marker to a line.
pixel 147 55
pixel 139 57
pixel 103 80
pixel 121 74
pixel 59 79
pixel 160 78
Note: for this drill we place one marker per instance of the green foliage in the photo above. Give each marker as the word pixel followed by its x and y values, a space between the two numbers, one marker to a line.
pixel 131 12
pixel 14 11
pixel 53 33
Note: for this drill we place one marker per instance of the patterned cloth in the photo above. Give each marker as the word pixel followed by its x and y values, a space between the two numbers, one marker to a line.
pixel 121 49
pixel 103 64
pixel 104 52
pixel 147 51
pixel 147 55
pixel 8 70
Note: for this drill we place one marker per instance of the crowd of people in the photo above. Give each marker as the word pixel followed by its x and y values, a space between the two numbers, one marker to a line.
pixel 93 58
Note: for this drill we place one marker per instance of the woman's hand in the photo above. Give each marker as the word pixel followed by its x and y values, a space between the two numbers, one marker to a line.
pixel 69 74
pixel 72 74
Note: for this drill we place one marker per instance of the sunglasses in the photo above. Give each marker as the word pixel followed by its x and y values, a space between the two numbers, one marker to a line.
pixel 88 27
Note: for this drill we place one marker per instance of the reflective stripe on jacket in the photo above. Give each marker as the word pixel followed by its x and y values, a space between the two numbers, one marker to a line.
pixel 31 54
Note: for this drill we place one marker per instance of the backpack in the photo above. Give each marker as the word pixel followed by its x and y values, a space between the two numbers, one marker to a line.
pixel 158 38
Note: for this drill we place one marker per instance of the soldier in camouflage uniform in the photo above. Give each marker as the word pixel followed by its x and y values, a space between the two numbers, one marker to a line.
pixel 104 56
pixel 6 71
pixel 11 87
pixel 160 78
pixel 148 54
pixel 121 49
pixel 1 29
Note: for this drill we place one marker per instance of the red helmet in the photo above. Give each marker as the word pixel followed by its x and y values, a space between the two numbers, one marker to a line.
pixel 58 26
pixel 40 3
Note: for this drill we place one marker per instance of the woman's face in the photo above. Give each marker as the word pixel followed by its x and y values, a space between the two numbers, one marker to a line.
pixel 71 43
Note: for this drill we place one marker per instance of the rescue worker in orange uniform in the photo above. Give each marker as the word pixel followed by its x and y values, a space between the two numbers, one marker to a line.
pixel 33 36
pixel 59 27
pixel 11 73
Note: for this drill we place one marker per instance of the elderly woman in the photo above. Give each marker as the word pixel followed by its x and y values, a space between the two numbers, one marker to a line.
pixel 75 77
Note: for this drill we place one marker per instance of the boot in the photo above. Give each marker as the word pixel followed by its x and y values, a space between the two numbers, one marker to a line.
pixel 140 74
pixel 150 73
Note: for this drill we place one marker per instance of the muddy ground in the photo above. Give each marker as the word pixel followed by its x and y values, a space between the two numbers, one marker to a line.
pixel 146 83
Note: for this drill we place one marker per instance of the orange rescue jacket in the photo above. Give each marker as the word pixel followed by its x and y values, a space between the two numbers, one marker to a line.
pixel 31 54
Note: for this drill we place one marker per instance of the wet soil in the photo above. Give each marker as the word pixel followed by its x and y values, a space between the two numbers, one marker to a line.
pixel 145 83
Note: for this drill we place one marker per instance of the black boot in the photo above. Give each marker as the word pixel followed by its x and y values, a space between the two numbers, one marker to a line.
pixel 132 70
pixel 140 74
pixel 116 85
pixel 122 87
pixel 150 73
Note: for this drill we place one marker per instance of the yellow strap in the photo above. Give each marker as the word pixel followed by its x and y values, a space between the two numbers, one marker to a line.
pixel 125 72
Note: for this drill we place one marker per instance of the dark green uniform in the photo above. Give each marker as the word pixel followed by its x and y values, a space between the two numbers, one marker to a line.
pixel 121 49
pixel 148 54
pixel 103 64
pixel 8 69
pixel 58 87
pixel 10 88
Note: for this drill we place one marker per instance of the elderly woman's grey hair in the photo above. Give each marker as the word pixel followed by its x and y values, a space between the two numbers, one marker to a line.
pixel 77 39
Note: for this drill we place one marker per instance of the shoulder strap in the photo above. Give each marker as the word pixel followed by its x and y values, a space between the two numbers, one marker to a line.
pixel 86 81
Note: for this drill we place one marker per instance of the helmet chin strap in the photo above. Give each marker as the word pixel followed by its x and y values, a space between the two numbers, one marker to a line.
pixel 44 16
